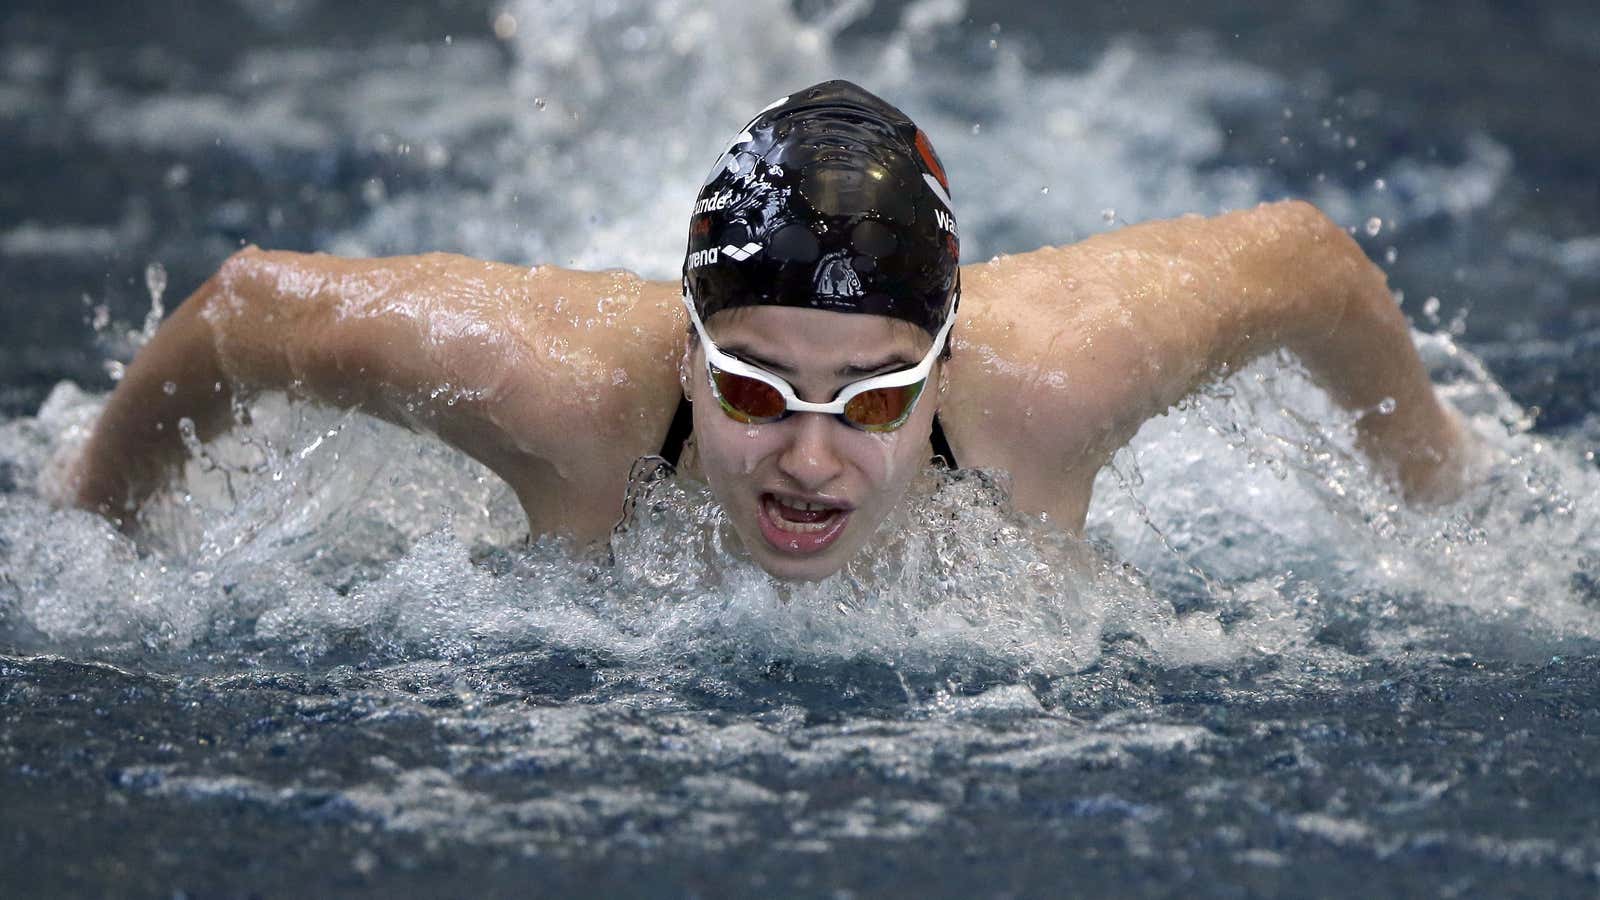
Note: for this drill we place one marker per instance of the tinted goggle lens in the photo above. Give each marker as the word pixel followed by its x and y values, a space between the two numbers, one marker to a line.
pixel 881 409
pixel 746 399
pixel 757 403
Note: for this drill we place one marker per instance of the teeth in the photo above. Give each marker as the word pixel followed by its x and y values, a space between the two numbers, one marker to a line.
pixel 802 505
pixel 798 527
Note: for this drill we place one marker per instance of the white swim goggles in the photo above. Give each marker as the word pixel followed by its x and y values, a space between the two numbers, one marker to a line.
pixel 754 396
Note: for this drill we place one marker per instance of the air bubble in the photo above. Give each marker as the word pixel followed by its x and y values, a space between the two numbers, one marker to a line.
pixel 1373 226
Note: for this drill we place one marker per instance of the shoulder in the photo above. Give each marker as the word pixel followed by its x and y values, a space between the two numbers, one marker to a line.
pixel 1062 352
pixel 591 356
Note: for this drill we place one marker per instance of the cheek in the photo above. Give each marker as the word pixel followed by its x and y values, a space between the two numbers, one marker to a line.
pixel 727 447
pixel 892 459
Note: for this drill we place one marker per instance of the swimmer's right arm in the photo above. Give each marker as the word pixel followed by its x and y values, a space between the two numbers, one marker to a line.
pixel 548 376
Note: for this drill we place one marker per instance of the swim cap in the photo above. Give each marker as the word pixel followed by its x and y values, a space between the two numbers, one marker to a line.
pixel 830 199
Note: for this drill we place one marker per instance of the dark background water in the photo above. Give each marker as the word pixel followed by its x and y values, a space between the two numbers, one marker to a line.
pixel 1419 774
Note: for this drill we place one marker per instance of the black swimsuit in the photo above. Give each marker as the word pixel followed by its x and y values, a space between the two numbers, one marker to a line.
pixel 683 423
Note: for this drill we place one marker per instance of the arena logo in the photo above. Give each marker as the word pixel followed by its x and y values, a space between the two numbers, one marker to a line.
pixel 711 255
pixel 719 200
pixel 741 253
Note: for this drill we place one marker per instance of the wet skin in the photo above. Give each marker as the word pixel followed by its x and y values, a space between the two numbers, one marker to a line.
pixel 558 380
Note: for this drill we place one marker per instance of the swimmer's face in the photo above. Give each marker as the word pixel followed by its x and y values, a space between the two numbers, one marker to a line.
pixel 766 476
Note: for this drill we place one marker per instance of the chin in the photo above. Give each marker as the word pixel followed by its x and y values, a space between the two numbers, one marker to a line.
pixel 788 569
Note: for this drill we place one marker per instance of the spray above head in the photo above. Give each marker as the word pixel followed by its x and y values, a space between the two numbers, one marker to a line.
pixel 829 199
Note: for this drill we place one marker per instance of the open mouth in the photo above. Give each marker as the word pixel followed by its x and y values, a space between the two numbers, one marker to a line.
pixel 796 526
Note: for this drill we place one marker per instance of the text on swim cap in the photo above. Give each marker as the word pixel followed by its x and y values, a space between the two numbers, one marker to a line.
pixel 702 258
pixel 719 200
pixel 946 221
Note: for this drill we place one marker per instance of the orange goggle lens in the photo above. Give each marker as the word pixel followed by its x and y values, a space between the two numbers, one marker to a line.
pixel 758 403
pixel 746 399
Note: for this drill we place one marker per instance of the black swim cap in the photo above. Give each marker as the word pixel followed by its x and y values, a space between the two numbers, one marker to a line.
pixel 830 199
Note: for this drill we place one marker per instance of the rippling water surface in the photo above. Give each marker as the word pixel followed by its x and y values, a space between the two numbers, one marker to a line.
pixel 334 666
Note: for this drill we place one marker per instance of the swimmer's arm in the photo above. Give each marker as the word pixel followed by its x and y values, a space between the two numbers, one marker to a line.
pixel 1154 311
pixel 476 352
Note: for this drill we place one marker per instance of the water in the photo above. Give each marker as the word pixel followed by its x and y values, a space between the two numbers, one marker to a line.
pixel 333 666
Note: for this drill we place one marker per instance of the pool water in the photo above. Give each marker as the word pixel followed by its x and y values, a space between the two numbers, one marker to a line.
pixel 334 666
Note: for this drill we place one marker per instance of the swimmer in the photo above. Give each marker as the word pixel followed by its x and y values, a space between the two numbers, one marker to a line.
pixel 823 344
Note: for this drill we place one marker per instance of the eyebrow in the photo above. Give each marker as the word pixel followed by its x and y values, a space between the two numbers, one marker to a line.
pixel 897 361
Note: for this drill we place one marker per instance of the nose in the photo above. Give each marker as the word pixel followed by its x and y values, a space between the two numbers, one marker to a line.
pixel 811 459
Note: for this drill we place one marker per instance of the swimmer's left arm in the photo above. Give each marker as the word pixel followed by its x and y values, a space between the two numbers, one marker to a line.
pixel 1127 324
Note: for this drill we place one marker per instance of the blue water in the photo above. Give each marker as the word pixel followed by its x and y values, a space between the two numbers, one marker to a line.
pixel 333 667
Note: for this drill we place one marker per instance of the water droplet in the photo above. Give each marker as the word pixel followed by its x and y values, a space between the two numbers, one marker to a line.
pixel 169 388
pixel 1373 226
pixel 1430 308
pixel 155 279
pixel 1350 141
pixel 540 103
pixel 1386 406
pixel 994 44
pixel 449 40
pixel 1109 214
pixel 1044 190
pixel 1390 254
pixel 505 25
pixel 1380 184
pixel 975 127
pixel 1361 165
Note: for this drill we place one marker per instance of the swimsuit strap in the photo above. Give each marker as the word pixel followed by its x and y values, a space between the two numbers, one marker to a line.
pixel 941 444
pixel 683 423
pixel 678 432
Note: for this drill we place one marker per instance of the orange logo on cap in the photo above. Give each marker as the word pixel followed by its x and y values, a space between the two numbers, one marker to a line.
pixel 931 161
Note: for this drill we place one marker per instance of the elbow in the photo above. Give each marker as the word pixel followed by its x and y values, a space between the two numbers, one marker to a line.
pixel 1325 271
